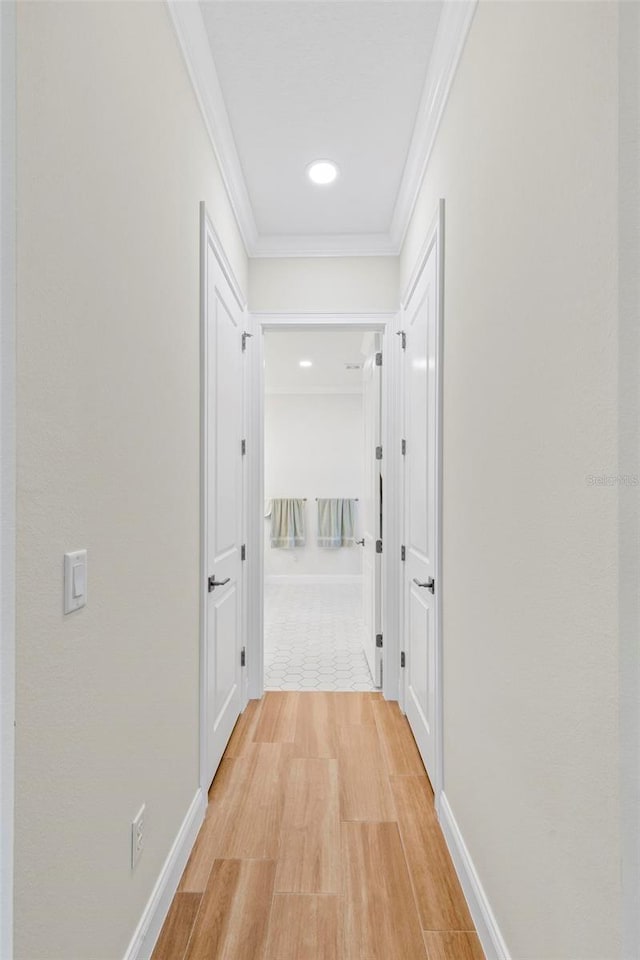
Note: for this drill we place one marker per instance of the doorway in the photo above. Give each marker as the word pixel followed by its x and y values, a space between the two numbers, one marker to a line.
pixel 405 663
pixel 322 530
pixel 422 346
pixel 223 484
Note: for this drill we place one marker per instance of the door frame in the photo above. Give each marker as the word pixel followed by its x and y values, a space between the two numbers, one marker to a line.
pixel 434 239
pixel 378 502
pixel 208 236
pixel 8 460
pixel 387 324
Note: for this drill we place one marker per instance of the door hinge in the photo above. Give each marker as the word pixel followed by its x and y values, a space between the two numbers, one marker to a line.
pixel 378 639
pixel 243 447
pixel 378 453
pixel 403 661
pixel 245 337
pixel 243 657
pixel 243 552
pixel 378 359
pixel 378 546
pixel 404 448
pixel 403 553
pixel 403 335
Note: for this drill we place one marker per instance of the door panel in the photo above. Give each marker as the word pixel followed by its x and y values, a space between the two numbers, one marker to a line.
pixel 224 482
pixel 221 673
pixel 370 516
pixel 420 395
pixel 420 655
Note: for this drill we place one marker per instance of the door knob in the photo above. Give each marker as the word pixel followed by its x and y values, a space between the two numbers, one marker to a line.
pixel 430 584
pixel 361 542
pixel 213 583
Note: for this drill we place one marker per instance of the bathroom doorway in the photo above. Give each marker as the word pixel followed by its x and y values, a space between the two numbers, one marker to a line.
pixel 323 486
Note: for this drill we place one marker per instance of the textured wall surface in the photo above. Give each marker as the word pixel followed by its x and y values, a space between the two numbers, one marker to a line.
pixel 113 160
pixel 526 160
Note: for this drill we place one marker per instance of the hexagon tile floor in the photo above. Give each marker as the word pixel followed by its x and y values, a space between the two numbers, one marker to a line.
pixel 313 637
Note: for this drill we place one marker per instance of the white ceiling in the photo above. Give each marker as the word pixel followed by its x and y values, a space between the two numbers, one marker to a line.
pixel 329 351
pixel 338 79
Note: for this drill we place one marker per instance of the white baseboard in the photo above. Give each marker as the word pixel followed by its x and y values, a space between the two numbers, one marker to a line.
pixel 483 917
pixel 155 912
pixel 313 578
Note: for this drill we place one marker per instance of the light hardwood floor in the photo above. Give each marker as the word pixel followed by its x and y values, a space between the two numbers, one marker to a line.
pixel 320 843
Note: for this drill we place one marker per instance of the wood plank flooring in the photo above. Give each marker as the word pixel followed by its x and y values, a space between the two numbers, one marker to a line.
pixel 320 843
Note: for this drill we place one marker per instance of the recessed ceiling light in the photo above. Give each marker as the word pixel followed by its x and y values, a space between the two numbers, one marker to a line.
pixel 306 363
pixel 322 172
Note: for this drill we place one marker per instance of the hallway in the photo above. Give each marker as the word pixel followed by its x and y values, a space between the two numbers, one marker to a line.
pixel 198 200
pixel 320 841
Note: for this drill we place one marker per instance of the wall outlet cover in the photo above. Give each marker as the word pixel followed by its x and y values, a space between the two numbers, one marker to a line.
pixel 137 836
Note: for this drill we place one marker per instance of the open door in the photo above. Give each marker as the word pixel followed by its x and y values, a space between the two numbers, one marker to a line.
pixel 371 512
pixel 223 506
pixel 420 656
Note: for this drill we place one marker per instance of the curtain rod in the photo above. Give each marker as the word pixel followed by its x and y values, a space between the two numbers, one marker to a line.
pixel 317 498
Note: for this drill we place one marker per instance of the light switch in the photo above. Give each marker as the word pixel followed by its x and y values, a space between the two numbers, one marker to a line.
pixel 75 580
pixel 78 580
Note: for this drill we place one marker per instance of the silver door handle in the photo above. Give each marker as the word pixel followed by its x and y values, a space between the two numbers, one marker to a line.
pixel 430 584
pixel 213 583
pixel 361 542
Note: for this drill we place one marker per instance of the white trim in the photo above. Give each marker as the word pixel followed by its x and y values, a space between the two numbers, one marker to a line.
pixel 8 465
pixel 249 485
pixel 325 245
pixel 255 531
pixel 314 391
pixel 484 919
pixel 157 908
pixel 225 264
pixel 439 240
pixel 455 22
pixel 392 512
pixel 453 29
pixel 204 522
pixel 421 259
pixel 314 578
pixel 387 324
pixel 323 321
pixel 193 41
pixel 434 238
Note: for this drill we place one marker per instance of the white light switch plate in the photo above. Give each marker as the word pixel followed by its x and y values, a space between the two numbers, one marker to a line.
pixel 75 580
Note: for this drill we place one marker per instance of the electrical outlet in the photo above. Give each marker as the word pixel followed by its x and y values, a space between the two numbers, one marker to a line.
pixel 137 836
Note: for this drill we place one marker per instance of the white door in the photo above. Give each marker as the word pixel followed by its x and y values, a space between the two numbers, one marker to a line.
pixel 420 463
pixel 224 505
pixel 370 516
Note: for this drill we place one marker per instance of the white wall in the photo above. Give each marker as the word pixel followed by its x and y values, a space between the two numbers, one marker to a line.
pixel 7 468
pixel 313 448
pixel 629 465
pixel 526 161
pixel 324 284
pixel 113 159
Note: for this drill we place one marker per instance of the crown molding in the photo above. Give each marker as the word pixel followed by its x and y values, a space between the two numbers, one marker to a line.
pixel 192 38
pixel 455 22
pixel 325 245
pixel 453 28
